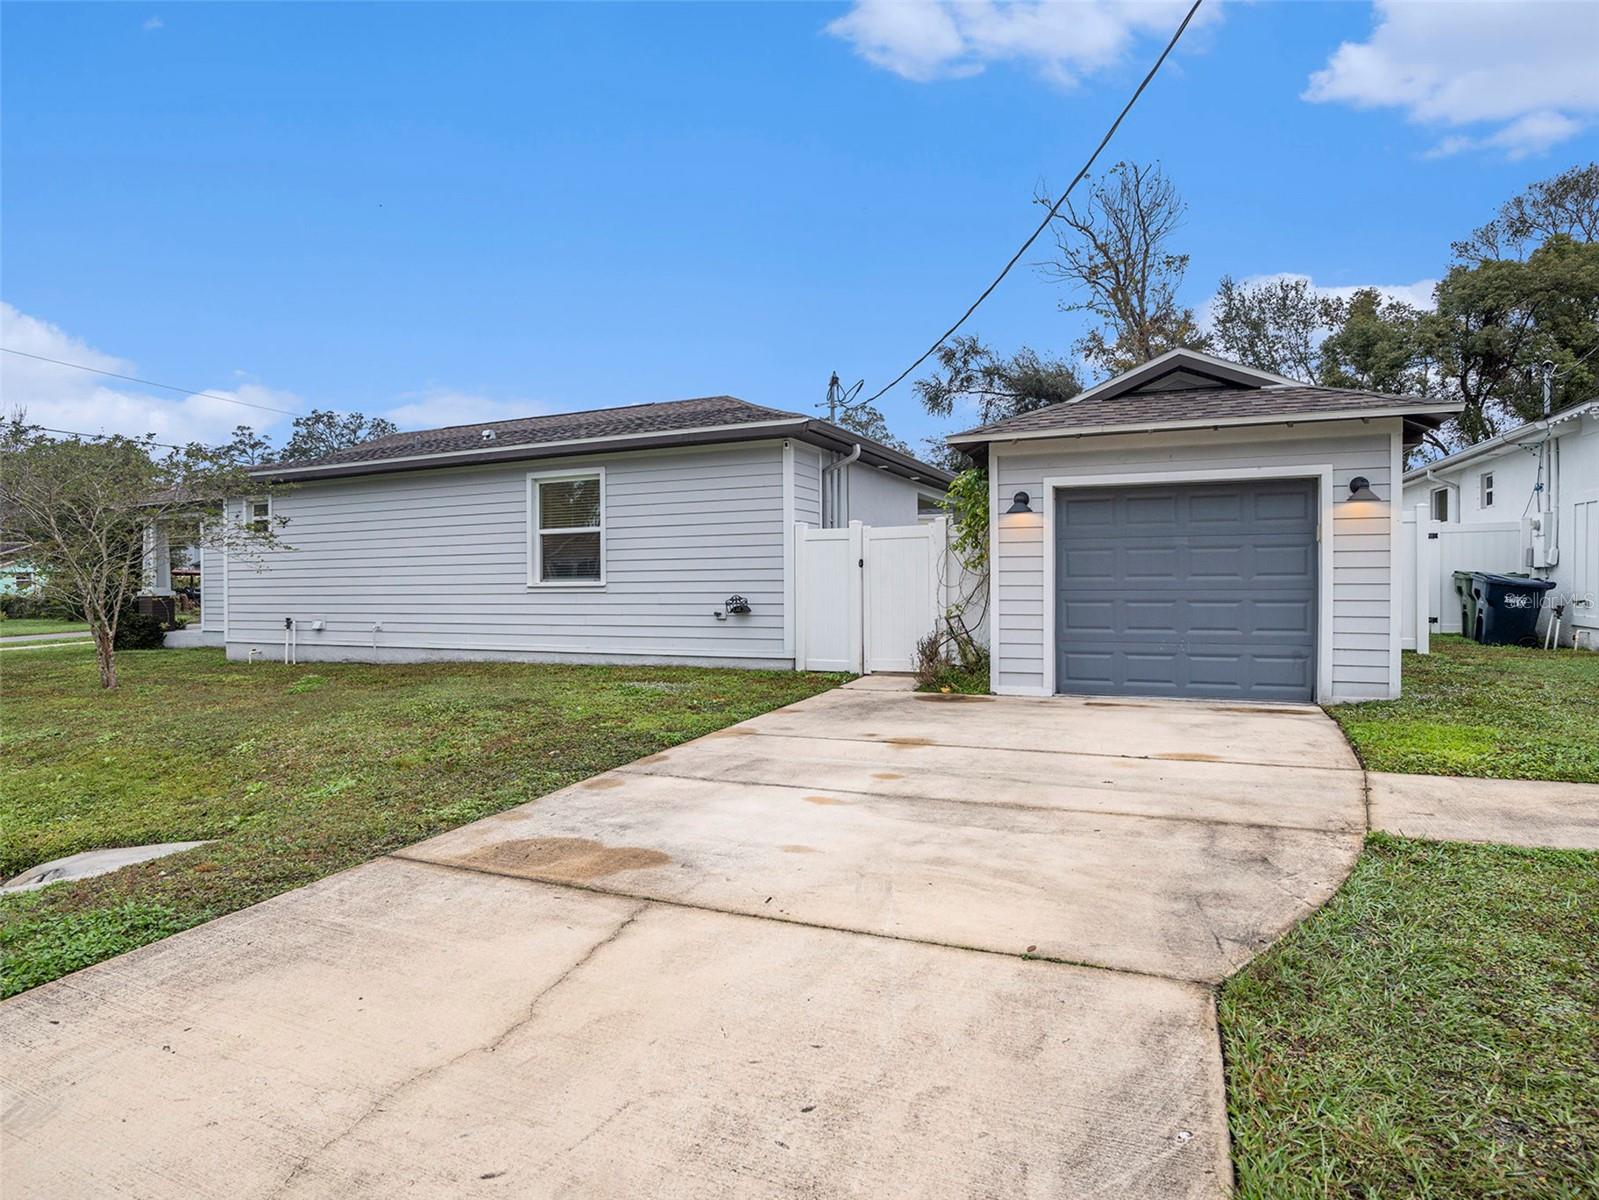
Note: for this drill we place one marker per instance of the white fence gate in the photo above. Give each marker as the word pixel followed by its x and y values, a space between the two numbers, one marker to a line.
pixel 866 595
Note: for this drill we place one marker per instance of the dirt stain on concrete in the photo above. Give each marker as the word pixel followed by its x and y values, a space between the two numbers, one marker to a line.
pixel 573 860
pixel 887 775
pixel 824 800
pixel 909 741
pixel 604 783
pixel 1190 757
pixel 953 697
pixel 1114 704
pixel 799 849
pixel 733 731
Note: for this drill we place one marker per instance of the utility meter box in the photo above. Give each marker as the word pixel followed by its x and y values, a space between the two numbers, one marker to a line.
pixel 1538 548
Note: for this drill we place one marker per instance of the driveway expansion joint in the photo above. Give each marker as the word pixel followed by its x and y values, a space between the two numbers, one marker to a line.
pixel 1010 805
pixel 646 901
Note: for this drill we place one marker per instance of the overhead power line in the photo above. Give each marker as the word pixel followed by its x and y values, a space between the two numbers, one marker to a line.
pixel 151 383
pixel 1054 209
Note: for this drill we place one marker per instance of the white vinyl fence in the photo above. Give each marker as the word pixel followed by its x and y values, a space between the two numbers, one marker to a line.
pixel 865 595
pixel 1430 552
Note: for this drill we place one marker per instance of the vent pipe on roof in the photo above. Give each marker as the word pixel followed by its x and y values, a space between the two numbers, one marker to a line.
pixel 488 435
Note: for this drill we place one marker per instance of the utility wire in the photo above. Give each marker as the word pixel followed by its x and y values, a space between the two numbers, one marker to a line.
pixel 1054 209
pixel 150 382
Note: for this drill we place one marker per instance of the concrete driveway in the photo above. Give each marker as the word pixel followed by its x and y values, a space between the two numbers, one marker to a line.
pixel 874 944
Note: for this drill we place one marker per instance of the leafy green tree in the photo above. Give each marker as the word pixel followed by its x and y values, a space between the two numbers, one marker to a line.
pixel 1115 252
pixel 79 507
pixel 972 378
pixel 1274 325
pixel 868 421
pixel 247 448
pixel 1377 344
pixel 322 432
pixel 1497 320
pixel 1567 204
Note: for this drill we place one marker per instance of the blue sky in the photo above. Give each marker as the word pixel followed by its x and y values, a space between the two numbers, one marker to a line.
pixel 465 212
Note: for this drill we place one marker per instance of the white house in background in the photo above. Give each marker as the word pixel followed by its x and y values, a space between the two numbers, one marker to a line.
pixel 654 533
pixel 1195 528
pixel 1538 488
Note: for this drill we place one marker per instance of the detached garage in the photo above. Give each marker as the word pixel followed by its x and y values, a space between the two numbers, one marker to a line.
pixel 1194 528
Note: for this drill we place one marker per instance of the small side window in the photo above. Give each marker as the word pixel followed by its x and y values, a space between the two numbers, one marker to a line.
pixel 1487 484
pixel 1440 504
pixel 258 514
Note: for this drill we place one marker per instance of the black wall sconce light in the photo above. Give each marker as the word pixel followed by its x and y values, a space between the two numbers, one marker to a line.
pixel 1018 504
pixel 1360 489
pixel 733 606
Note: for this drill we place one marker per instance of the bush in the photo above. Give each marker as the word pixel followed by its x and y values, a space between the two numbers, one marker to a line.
pixel 136 631
pixel 31 606
pixel 936 671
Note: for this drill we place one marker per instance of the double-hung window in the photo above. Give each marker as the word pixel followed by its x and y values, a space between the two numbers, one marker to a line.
pixel 1485 483
pixel 258 514
pixel 566 528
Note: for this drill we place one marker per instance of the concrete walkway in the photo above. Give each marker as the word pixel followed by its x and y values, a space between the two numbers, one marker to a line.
pixel 1517 812
pixel 805 956
pixel 22 639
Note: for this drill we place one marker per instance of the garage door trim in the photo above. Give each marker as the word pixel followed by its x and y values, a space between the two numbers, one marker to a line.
pixel 1322 473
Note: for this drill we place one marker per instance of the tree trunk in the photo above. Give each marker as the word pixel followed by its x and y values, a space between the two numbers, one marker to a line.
pixel 105 653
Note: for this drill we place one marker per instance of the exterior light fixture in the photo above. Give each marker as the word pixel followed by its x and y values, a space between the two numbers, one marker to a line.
pixel 1018 504
pixel 1360 489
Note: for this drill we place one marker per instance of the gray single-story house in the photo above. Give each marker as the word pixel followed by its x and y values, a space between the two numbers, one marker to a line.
pixel 652 533
pixel 1196 528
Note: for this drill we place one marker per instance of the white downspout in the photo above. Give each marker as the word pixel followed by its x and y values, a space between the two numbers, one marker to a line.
pixel 836 485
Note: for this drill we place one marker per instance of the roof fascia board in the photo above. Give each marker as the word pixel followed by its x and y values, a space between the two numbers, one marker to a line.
pixel 1204 423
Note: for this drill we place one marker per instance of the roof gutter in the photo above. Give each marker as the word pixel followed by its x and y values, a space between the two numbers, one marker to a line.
pixel 1472 453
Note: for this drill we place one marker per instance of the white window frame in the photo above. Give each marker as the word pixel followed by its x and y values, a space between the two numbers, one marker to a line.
pixel 1485 489
pixel 248 516
pixel 1432 504
pixel 535 543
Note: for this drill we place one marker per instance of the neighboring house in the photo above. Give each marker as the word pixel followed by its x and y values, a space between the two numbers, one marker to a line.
pixel 17 575
pixel 1539 484
pixel 621 535
pixel 1195 528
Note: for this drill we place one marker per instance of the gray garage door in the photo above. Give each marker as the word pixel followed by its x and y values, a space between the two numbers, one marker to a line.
pixel 1191 590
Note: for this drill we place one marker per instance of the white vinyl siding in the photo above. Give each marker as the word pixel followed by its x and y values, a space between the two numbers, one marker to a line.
pixel 440 559
pixel 808 485
pixel 1362 655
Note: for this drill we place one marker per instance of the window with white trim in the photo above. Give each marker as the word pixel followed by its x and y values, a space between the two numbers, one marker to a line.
pixel 1440 504
pixel 1485 485
pixel 258 514
pixel 566 528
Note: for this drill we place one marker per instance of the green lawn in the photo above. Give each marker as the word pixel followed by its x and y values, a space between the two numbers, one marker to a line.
pixel 1432 1032
pixel 1502 712
pixel 17 626
pixel 297 771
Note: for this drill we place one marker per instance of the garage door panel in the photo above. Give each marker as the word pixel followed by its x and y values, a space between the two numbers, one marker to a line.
pixel 1204 590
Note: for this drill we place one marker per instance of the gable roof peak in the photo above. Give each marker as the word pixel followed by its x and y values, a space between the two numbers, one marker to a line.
pixel 1213 372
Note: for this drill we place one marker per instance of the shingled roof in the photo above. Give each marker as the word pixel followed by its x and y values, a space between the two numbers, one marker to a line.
pixel 1186 390
pixel 700 421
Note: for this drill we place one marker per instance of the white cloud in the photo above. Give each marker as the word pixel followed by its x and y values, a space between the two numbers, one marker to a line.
pixel 152 24
pixel 924 40
pixel 75 401
pixel 81 402
pixel 1516 77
